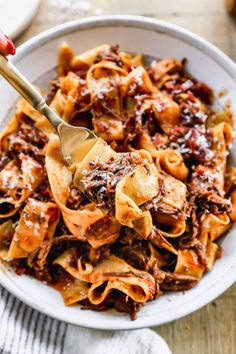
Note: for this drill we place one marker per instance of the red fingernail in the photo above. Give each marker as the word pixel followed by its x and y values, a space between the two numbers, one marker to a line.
pixel 10 46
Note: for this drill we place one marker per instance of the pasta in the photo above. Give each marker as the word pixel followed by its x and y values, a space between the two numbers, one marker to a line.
pixel 141 209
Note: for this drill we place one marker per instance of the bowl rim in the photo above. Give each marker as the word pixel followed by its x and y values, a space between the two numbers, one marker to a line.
pixel 159 26
pixel 220 285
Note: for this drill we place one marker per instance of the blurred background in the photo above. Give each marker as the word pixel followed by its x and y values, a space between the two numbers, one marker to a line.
pixel 211 330
pixel 207 18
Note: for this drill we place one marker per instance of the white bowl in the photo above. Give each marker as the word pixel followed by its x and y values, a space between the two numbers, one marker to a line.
pixel 36 58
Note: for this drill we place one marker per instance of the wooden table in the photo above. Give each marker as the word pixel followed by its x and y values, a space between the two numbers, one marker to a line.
pixel 211 330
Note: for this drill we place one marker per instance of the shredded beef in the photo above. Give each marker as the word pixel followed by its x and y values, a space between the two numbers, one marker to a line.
pixel 111 54
pixel 193 143
pixel 136 255
pixel 201 251
pixel 32 135
pixel 18 145
pixel 185 83
pixel 205 196
pixel 117 300
pixel 165 209
pixel 100 182
pixel 43 192
pixel 5 158
pixel 102 102
pixel 177 282
pixel 96 254
pixel 28 140
pixel 75 199
pixel 37 259
pixel 103 228
pixel 54 87
pixel 191 115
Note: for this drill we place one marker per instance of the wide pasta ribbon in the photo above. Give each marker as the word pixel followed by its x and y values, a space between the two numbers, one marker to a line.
pixel 7 231
pixel 133 190
pixel 11 128
pixel 169 213
pixel 213 226
pixel 188 264
pixel 37 223
pixel 172 163
pixel 60 179
pixel 110 273
pixel 18 183
pixel 103 80
pixel 87 58
pixel 165 109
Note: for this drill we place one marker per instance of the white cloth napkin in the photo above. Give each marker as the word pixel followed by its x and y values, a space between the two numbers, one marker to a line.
pixel 26 331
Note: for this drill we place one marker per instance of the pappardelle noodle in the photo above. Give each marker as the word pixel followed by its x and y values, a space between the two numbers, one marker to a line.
pixel 141 210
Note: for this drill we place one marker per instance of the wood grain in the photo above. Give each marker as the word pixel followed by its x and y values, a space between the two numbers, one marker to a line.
pixel 230 5
pixel 211 330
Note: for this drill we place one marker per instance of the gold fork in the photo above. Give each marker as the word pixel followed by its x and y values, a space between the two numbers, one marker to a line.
pixel 74 141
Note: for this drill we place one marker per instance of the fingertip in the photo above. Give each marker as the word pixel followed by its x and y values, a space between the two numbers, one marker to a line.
pixel 10 46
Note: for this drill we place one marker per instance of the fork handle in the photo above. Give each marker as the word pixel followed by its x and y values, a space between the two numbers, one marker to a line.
pixel 27 90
